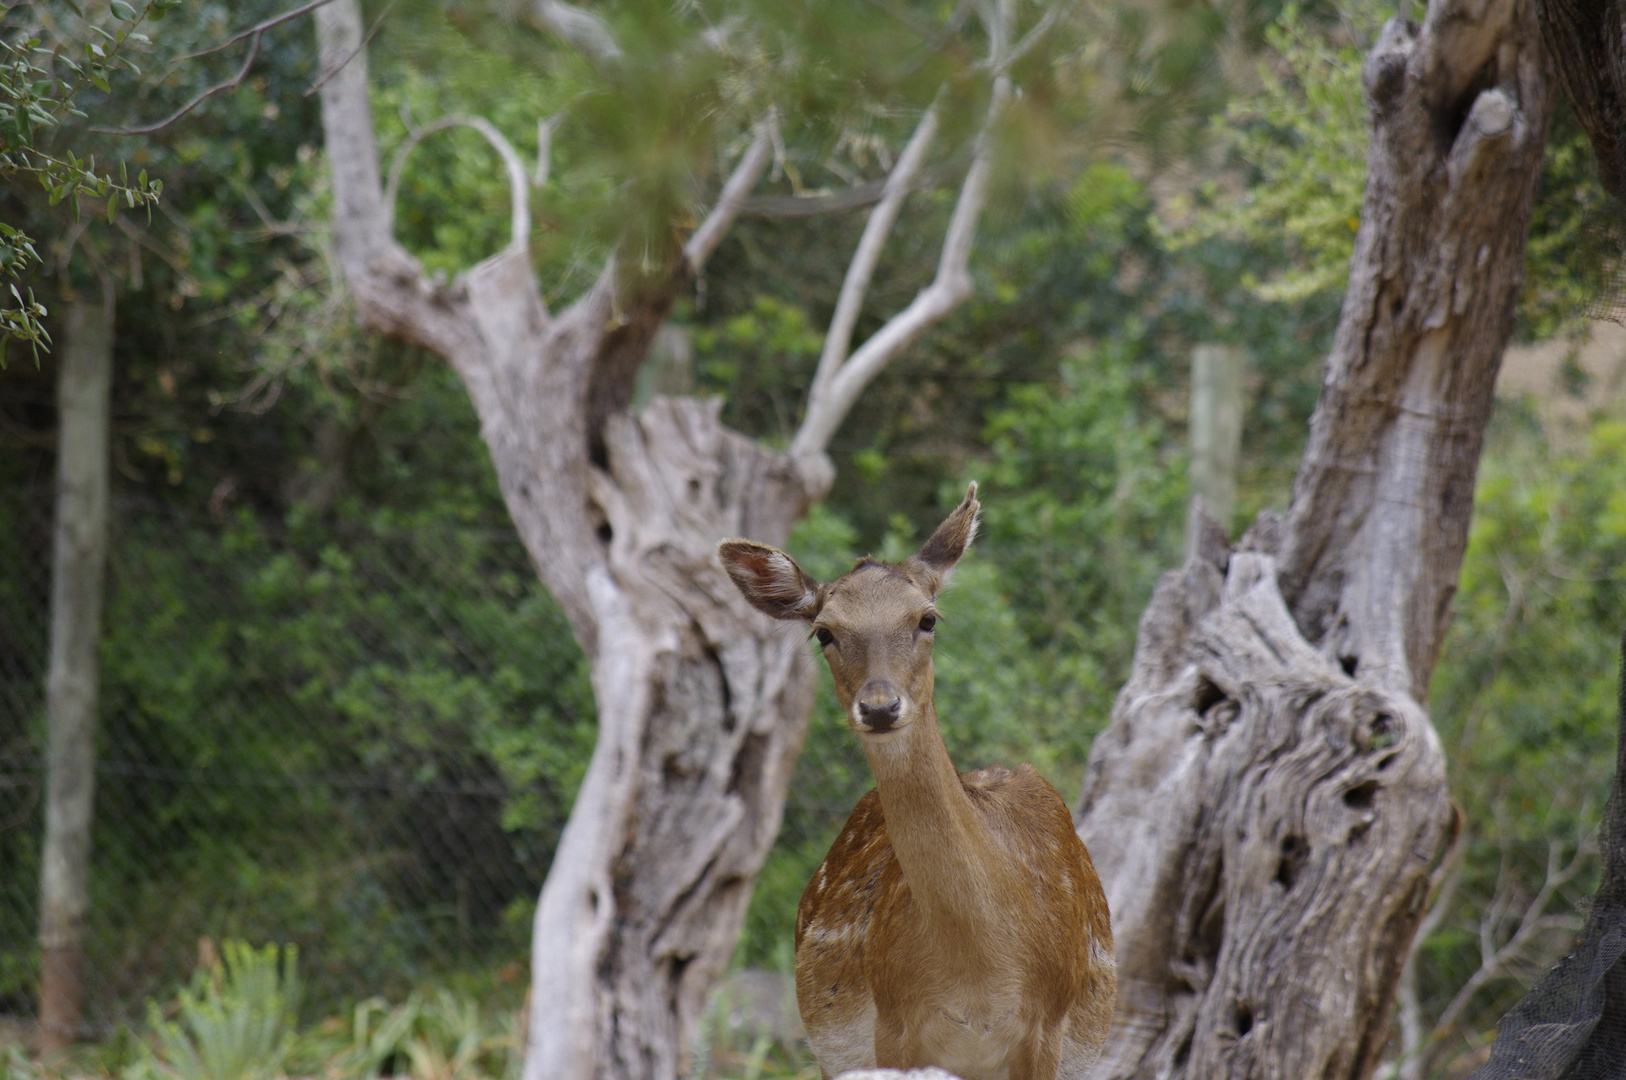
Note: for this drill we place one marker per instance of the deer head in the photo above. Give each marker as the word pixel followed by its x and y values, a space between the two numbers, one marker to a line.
pixel 874 626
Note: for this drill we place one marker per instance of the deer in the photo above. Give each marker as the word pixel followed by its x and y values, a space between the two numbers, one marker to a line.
pixel 957 920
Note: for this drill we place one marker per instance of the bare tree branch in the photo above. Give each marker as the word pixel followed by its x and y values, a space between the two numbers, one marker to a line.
pixel 834 396
pixel 142 238
pixel 838 338
pixel 856 197
pixel 229 84
pixel 544 149
pixel 1051 16
pixel 392 293
pixel 956 20
pixel 1494 960
pixel 577 27
pixel 1410 1062
pixel 704 240
pixel 258 28
pixel 253 35
pixel 518 183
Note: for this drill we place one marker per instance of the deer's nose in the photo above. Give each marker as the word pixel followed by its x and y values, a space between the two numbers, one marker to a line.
pixel 880 716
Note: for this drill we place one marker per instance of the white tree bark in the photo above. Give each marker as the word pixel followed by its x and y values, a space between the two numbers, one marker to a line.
pixel 78 567
pixel 702 702
pixel 1270 795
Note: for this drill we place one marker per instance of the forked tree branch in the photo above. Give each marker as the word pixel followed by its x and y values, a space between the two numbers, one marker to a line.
pixel 1494 960
pixel 704 240
pixel 227 84
pixel 519 184
pixel 254 35
pixel 836 390
pixel 258 28
pixel 1046 22
pixel 393 295
pixel 838 339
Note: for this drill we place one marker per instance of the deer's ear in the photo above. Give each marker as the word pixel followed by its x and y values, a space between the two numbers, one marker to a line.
pixel 770 580
pixel 932 565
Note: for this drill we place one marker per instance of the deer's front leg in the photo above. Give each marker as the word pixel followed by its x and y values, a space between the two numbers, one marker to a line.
pixel 1038 1057
pixel 896 1046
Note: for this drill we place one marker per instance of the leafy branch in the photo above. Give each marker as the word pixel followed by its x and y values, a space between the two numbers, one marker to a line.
pixel 34 100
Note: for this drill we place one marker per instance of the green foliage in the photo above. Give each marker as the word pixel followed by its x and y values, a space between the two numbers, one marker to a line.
pixel 1573 254
pixel 1300 142
pixel 1091 496
pixel 237 1019
pixel 1525 694
pixel 1302 137
pixel 358 729
pixel 39 82
pixel 438 1035
pixel 277 670
pixel 15 1064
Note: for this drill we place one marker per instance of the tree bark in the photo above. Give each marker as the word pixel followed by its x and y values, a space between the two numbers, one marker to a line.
pixel 77 573
pixel 702 702
pixel 1262 912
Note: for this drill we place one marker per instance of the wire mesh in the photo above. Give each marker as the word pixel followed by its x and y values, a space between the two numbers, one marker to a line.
pixel 294 743
pixel 365 745
pixel 365 741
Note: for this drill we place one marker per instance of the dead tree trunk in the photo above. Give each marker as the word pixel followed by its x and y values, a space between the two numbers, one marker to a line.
pixel 78 567
pixel 702 702
pixel 1269 798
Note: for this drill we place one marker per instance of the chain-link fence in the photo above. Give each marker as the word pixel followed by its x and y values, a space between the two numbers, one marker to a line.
pixel 299 739
pixel 362 739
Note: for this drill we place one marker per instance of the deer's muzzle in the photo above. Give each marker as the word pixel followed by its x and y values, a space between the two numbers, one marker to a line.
pixel 878 709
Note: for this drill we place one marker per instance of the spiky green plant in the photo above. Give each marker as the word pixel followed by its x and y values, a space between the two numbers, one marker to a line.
pixel 237 1019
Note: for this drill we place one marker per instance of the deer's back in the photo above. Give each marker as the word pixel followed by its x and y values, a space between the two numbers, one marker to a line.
pixel 858 929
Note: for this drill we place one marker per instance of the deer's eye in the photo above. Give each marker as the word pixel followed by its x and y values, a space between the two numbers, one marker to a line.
pixel 927 622
pixel 825 637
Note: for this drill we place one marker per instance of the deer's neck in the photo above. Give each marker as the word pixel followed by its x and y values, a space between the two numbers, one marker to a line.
pixel 943 844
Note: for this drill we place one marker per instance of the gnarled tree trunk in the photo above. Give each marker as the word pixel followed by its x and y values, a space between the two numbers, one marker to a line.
pixel 1269 798
pixel 702 710
pixel 702 702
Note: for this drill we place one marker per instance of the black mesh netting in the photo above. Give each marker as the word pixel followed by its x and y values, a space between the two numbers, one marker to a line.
pixel 1572 1024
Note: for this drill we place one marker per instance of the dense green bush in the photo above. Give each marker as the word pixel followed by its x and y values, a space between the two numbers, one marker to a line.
pixel 381 726
pixel 1525 701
